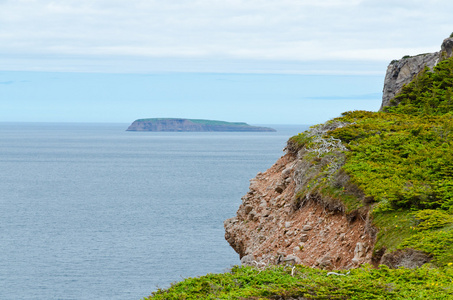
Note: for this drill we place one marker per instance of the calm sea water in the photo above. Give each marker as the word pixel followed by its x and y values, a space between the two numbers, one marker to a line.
pixel 90 211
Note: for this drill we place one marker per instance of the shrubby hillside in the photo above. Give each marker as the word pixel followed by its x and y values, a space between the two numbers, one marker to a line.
pixel 396 167
pixel 401 158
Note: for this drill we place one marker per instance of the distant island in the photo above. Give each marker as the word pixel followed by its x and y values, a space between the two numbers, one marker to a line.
pixel 193 125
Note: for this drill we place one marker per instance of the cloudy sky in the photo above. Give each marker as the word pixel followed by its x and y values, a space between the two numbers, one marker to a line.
pixel 330 39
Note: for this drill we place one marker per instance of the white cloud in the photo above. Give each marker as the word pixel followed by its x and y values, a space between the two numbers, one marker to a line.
pixel 264 30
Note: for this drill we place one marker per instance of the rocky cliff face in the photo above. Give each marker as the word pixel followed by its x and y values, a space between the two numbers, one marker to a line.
pixel 273 225
pixel 276 224
pixel 401 72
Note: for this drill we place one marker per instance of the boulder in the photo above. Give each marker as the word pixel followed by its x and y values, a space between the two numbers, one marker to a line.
pixel 247 260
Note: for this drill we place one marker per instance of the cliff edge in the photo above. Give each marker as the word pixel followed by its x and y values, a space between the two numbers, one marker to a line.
pixel 280 221
pixel 355 189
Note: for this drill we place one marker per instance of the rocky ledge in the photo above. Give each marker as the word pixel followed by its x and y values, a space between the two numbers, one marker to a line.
pixel 174 124
pixel 271 227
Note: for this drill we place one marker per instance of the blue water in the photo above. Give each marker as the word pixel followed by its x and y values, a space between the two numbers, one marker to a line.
pixel 90 211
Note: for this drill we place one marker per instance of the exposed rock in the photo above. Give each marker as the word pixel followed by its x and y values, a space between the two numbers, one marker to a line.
pixel 280 187
pixel 359 251
pixel 325 262
pixel 291 259
pixel 307 228
pixel 247 260
pixel 407 258
pixel 446 50
pixel 304 237
pixel 286 172
pixel 310 232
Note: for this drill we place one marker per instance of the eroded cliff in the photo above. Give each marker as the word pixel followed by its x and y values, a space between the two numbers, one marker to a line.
pixel 306 209
pixel 277 223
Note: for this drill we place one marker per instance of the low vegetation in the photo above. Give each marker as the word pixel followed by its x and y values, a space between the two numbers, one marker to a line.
pixel 278 282
pixel 398 164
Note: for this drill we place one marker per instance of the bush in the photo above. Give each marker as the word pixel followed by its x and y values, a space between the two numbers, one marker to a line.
pixel 307 283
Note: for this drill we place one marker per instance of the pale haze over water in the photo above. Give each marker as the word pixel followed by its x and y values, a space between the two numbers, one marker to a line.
pixel 90 211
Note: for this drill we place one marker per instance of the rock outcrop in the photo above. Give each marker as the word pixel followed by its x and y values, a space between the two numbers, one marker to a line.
pixel 173 124
pixel 271 227
pixel 401 72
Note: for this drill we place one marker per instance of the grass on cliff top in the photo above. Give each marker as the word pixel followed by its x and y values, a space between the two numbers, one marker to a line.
pixel 278 283
pixel 429 231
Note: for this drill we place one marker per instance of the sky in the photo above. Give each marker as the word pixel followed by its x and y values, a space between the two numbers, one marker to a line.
pixel 257 61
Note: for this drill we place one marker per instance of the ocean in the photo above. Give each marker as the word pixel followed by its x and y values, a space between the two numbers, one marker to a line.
pixel 90 211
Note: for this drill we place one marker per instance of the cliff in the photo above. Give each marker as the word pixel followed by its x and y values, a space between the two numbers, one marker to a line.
pixel 355 189
pixel 401 72
pixel 173 124
pixel 275 224
pixel 363 189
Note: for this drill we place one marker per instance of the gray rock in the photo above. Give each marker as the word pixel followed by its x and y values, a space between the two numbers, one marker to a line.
pixel 407 258
pixel 447 48
pixel 292 260
pixel 280 188
pixel 359 251
pixel 325 262
pixel 286 172
pixel 247 260
pixel 304 237
pixel 307 228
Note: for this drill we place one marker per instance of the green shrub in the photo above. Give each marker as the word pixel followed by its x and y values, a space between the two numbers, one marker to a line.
pixel 430 93
pixel 438 243
pixel 308 283
pixel 431 219
pixel 400 159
